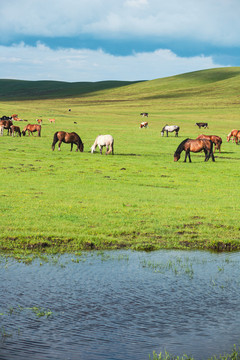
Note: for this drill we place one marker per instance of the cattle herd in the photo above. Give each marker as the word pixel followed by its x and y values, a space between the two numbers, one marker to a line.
pixel 8 123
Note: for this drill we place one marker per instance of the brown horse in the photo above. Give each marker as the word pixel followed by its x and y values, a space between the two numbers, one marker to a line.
pixel 15 129
pixel 31 128
pixel 7 124
pixel 195 146
pixel 214 138
pixel 234 134
pixel 68 138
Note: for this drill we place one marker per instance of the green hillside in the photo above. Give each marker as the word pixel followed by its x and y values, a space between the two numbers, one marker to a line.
pixel 26 90
pixel 214 83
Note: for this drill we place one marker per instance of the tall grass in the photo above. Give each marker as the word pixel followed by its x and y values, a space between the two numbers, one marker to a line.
pixel 138 198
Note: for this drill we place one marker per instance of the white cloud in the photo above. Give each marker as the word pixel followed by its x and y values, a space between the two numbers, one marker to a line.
pixel 214 21
pixel 41 62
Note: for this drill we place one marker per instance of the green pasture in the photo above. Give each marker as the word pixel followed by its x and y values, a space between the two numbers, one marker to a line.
pixel 139 198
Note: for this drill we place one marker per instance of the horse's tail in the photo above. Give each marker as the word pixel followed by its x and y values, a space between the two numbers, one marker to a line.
pixel 112 147
pixel 211 151
pixel 55 140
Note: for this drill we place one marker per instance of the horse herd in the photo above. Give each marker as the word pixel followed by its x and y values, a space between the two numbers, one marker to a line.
pixel 201 143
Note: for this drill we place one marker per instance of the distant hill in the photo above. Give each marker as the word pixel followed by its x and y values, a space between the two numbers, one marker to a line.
pixel 215 84
pixel 29 90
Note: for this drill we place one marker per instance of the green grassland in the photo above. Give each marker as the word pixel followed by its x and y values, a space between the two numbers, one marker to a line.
pixel 139 198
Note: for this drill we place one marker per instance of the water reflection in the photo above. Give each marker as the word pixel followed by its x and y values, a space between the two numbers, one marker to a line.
pixel 120 305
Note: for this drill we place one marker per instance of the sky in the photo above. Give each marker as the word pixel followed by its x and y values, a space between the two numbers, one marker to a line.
pixel 98 40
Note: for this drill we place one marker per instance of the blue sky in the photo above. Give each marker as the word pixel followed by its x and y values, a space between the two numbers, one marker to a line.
pixel 95 40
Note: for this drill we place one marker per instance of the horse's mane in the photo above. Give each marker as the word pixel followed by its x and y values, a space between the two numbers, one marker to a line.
pixel 180 146
pixel 164 127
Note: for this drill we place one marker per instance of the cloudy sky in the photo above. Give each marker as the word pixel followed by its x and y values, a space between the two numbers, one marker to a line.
pixel 95 40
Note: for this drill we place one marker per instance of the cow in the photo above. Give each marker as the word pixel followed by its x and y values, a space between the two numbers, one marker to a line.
pixel 144 114
pixel 202 124
pixel 144 125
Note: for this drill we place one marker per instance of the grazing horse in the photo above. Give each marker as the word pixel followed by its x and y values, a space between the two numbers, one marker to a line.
pixel 39 121
pixel 51 120
pixel 6 124
pixel 31 128
pixel 103 140
pixel 144 124
pixel 202 124
pixel 144 114
pixel 170 128
pixel 15 129
pixel 196 145
pixel 67 138
pixel 234 134
pixel 214 138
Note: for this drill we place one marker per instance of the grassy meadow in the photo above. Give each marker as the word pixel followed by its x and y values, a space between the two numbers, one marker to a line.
pixel 139 198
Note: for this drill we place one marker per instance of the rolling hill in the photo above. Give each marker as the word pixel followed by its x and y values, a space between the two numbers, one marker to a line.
pixel 220 84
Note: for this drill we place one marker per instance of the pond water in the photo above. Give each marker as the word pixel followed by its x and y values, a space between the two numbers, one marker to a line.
pixel 120 305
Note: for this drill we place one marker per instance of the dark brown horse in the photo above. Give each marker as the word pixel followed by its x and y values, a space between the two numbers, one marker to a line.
pixel 214 138
pixel 15 130
pixel 68 138
pixel 195 146
pixel 7 124
pixel 31 128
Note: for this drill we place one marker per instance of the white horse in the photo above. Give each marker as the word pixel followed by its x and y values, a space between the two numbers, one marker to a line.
pixel 170 128
pixel 1 130
pixel 103 140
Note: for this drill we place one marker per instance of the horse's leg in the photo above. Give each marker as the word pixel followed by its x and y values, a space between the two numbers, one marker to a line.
pixel 71 146
pixel 167 132
pixel 212 156
pixel 100 149
pixel 186 154
pixel 189 156
pixel 206 154
pixel 59 144
pixel 107 149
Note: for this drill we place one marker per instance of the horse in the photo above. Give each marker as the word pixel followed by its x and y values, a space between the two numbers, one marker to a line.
pixel 170 128
pixel 214 138
pixel 144 114
pixel 31 128
pixel 39 121
pixel 144 124
pixel 15 129
pixel 6 124
pixel 67 138
pixel 51 120
pixel 196 145
pixel 202 124
pixel 103 140
pixel 234 134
